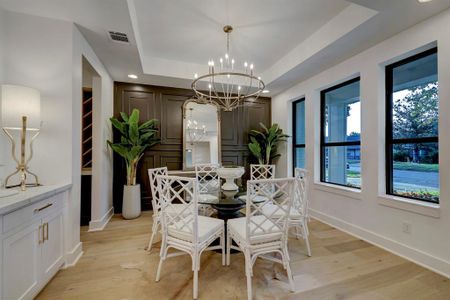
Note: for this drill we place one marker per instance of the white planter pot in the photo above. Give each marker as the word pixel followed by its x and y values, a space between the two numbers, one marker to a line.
pixel 131 206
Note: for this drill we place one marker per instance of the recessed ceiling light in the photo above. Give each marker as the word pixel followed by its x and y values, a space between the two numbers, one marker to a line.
pixel 265 91
pixel 424 1
pixel 132 76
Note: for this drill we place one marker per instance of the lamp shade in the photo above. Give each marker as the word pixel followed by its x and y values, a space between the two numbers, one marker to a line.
pixel 18 101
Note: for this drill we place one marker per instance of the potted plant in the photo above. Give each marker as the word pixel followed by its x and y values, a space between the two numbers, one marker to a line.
pixel 134 140
pixel 263 144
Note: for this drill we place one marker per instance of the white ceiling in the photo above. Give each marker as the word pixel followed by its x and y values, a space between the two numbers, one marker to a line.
pixel 192 31
pixel 288 40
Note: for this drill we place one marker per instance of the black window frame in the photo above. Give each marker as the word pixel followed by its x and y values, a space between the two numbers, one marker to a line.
pixel 296 146
pixel 389 139
pixel 324 144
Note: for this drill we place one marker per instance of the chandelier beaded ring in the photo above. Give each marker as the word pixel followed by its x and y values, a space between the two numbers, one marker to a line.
pixel 227 86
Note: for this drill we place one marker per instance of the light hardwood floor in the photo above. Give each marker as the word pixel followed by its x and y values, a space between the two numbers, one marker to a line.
pixel 116 266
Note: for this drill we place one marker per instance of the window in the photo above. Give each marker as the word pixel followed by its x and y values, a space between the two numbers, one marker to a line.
pixel 412 162
pixel 340 156
pixel 298 108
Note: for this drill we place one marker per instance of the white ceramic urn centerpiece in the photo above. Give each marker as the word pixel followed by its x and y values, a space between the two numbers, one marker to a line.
pixel 230 174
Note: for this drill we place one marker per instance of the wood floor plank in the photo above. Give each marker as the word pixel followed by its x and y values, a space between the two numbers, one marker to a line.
pixel 115 265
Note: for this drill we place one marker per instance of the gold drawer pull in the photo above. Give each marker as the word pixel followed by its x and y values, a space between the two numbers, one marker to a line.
pixel 43 207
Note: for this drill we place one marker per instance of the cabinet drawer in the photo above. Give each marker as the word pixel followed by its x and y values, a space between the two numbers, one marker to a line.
pixel 30 212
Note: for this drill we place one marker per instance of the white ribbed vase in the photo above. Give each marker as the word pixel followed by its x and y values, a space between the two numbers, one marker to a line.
pixel 131 206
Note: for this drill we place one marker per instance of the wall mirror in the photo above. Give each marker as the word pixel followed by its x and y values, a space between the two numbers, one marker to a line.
pixel 201 134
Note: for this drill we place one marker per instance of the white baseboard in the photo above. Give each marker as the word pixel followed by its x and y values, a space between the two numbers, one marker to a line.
pixel 98 225
pixel 419 257
pixel 73 256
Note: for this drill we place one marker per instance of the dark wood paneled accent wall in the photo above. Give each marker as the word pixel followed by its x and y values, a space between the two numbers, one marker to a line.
pixel 166 105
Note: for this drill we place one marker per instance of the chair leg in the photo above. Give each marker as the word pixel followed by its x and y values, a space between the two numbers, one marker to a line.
pixel 249 274
pixel 297 232
pixel 222 244
pixel 229 241
pixel 158 272
pixel 249 286
pixel 155 227
pixel 287 266
pixel 163 255
pixel 305 236
pixel 287 251
pixel 196 267
pixel 291 279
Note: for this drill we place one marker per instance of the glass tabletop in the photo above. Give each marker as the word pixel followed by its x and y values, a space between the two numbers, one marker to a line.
pixel 222 197
pixel 226 198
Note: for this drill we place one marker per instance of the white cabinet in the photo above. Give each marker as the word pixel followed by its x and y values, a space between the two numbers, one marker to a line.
pixel 53 246
pixel 21 257
pixel 32 248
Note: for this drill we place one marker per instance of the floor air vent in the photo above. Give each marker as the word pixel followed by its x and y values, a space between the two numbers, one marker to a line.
pixel 118 37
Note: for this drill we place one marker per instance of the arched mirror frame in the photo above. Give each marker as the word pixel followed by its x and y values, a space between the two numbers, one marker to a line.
pixel 219 138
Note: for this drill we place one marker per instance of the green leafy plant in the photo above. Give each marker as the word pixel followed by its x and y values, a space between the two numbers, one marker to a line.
pixel 134 140
pixel 263 144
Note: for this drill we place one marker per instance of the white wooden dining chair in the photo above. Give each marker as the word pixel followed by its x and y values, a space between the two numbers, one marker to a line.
pixel 298 219
pixel 259 234
pixel 208 179
pixel 300 212
pixel 209 184
pixel 186 231
pixel 156 203
pixel 258 172
pixel 262 172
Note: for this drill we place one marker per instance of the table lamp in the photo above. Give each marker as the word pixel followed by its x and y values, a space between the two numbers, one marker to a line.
pixel 21 112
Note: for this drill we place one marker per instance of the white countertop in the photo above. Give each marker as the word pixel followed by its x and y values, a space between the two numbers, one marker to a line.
pixel 31 195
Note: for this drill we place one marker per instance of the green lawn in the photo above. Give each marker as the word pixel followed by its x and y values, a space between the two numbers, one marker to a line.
pixel 416 167
pixel 353 174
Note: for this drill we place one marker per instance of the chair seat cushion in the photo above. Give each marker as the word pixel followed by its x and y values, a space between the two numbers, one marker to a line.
pixel 238 227
pixel 275 211
pixel 207 227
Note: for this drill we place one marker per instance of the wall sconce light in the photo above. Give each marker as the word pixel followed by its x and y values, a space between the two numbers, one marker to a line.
pixel 21 112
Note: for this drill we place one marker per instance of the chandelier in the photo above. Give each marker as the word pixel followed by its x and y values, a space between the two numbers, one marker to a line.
pixel 194 131
pixel 226 85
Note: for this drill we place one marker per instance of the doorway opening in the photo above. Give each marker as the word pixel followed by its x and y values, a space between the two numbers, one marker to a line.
pixel 87 120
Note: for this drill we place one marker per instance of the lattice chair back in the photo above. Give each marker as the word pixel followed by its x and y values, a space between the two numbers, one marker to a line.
pixel 156 199
pixel 301 184
pixel 258 172
pixel 271 226
pixel 262 172
pixel 179 223
pixel 207 177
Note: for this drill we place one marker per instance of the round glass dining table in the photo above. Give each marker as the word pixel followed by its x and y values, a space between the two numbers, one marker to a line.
pixel 227 203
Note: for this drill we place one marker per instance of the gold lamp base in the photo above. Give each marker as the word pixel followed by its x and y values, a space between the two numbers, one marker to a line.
pixel 22 164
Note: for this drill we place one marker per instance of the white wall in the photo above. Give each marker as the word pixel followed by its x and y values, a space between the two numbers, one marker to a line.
pixel 102 111
pixel 365 213
pixel 47 54
pixel 3 141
